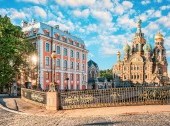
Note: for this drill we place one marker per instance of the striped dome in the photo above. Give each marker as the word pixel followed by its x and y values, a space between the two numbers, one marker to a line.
pixel 126 48
pixel 147 47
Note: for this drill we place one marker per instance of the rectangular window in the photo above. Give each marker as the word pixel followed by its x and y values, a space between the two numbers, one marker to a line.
pixel 65 63
pixel 77 77
pixel 47 33
pixel 58 62
pixel 83 67
pixel 65 52
pixel 58 50
pixel 77 44
pixel 83 56
pixel 71 42
pixel 77 55
pixel 47 75
pixel 71 77
pixel 47 61
pixel 72 65
pixel 71 87
pixel 78 65
pixel 72 53
pixel 47 47
pixel 78 87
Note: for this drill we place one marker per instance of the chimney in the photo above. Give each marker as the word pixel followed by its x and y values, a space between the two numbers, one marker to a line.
pixel 24 23
pixel 66 31
pixel 56 26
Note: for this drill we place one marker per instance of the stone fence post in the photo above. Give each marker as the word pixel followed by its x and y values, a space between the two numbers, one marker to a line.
pixel 52 101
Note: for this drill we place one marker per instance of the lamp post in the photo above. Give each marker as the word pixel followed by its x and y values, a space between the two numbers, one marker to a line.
pixel 52 84
pixel 67 82
pixel 35 62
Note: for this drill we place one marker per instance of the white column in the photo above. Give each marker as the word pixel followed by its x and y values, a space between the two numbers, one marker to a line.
pixel 40 62
pixel 86 70
pixel 68 66
pixel 75 71
pixel 80 71
pixel 61 51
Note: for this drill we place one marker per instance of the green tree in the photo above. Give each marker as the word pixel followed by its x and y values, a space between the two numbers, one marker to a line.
pixel 14 50
pixel 106 74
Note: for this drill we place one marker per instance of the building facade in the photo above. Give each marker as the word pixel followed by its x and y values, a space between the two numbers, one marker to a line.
pixel 71 56
pixel 93 73
pixel 141 64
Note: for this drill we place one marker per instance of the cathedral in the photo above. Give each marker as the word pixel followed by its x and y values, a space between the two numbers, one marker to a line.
pixel 142 64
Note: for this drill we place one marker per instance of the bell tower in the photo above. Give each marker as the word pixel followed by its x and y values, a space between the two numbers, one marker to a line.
pixel 139 40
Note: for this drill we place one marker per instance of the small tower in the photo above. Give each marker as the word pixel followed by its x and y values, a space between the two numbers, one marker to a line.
pixel 118 56
pixel 126 49
pixel 159 50
pixel 147 51
pixel 139 40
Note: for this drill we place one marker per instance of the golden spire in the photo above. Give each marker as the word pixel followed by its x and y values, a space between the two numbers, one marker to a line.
pixel 118 55
pixel 139 25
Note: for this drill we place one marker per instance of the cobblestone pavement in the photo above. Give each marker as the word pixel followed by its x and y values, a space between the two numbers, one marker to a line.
pixel 131 119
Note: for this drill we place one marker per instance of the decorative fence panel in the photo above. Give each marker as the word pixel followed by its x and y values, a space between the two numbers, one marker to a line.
pixel 36 96
pixel 114 97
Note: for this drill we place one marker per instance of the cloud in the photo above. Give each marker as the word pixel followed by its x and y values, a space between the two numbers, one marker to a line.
pixel 121 8
pixel 165 7
pixel 40 11
pixel 145 2
pixel 83 13
pixel 127 4
pixel 158 1
pixel 64 25
pixel 13 13
pixel 103 16
pixel 75 3
pixel 34 1
pixel 126 22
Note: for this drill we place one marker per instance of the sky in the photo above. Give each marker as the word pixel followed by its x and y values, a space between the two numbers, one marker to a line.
pixel 104 25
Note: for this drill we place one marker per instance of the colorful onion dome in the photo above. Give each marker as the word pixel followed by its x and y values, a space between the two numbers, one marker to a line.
pixel 126 48
pixel 159 36
pixel 147 47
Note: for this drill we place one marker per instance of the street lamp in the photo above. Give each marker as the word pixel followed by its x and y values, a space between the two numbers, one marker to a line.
pixel 34 59
pixel 67 79
pixel 52 84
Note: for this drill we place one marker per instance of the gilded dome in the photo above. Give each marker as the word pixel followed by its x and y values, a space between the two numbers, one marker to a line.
pixel 159 36
pixel 147 47
pixel 126 48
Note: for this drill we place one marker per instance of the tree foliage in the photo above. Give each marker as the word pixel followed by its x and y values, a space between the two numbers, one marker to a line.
pixel 14 50
pixel 106 74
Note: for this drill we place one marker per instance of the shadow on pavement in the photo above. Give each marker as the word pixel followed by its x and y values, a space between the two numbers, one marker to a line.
pixel 10 103
pixel 102 124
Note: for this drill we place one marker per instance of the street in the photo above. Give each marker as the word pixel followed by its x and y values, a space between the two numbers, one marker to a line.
pixel 136 119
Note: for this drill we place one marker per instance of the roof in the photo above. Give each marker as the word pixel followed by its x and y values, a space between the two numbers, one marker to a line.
pixel 40 27
pixel 91 62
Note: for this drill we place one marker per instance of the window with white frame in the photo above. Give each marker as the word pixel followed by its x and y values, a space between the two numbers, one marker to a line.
pixel 47 47
pixel 71 77
pixel 65 63
pixel 58 62
pixel 72 53
pixel 83 67
pixel 78 66
pixel 72 65
pixel 58 50
pixel 77 55
pixel 65 52
pixel 83 56
pixel 47 61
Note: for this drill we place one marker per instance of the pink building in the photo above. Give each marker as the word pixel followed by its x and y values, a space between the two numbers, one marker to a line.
pixel 71 61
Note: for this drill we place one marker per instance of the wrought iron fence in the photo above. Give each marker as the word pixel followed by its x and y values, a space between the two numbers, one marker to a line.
pixel 37 96
pixel 114 97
